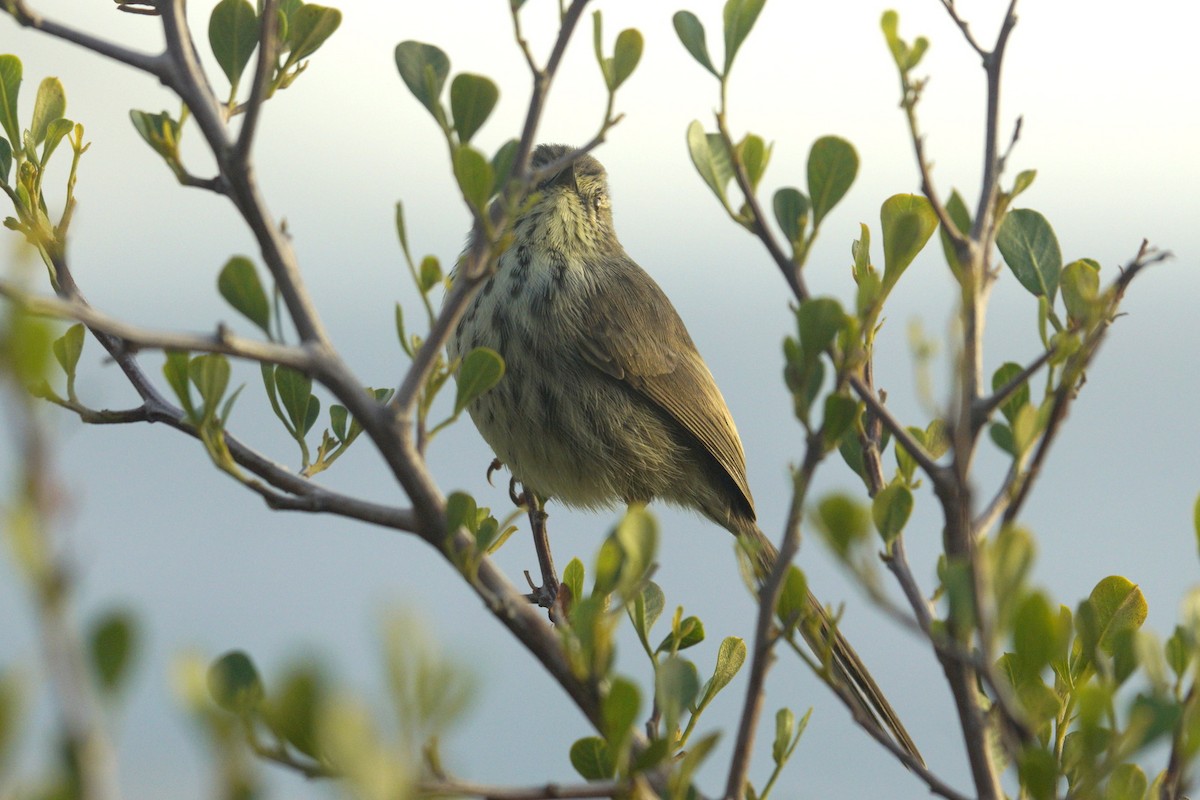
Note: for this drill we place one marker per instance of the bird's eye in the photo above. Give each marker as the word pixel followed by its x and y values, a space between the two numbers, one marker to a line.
pixel 598 201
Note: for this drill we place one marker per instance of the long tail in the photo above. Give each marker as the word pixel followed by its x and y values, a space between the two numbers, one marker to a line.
pixel 862 694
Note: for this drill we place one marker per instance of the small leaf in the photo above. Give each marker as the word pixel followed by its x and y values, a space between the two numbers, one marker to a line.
pixel 676 687
pixel 1119 606
pixel 430 274
pixel 832 167
pixel 592 759
pixel 619 709
pixel 1007 373
pixel 819 320
pixel 1127 782
pixel 502 163
pixel 908 220
pixel 112 642
pixel 731 655
pixel 295 394
pixel 626 55
pixel 292 713
pixel 961 217
pixel 472 98
pixel 49 107
pixel 238 283
pixel 573 577
pixel 210 375
pixel 844 522
pixel 754 155
pixel 1080 281
pixel 1031 250
pixel 234 684
pixel 6 159
pixel 711 159
pixel 175 370
pixel 159 131
pixel 10 87
pixel 793 603
pixel 308 28
pixel 840 413
pixel 55 132
pixel 890 511
pixel 233 31
pixel 1038 772
pixel 691 34
pixel 461 512
pixel 68 348
pixel 481 369
pixel 791 212
pixel 739 17
pixel 474 175
pixel 338 418
pixel 424 69
pixel 689 634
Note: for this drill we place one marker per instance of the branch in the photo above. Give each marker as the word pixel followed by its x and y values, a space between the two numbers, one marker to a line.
pixel 157 65
pixel 263 69
pixel 984 406
pixel 549 791
pixel 134 338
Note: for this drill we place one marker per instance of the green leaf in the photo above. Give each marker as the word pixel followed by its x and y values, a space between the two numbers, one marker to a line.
pixel 592 759
pixel 573 578
pixel 626 55
pixel 429 274
pixel 339 418
pixel 49 107
pixel 731 655
pixel 1127 782
pixel 424 69
pixel 292 713
pixel 481 369
pixel 6 159
pixel 55 132
pixel 890 511
pixel 10 87
pixel 645 610
pixel 472 98
pixel 295 394
pixel 832 167
pixel 689 634
pixel 210 375
pixel 619 709
pixel 1035 632
pixel 461 512
pixel 691 34
pixel 844 521
pixel 474 175
pixel 234 684
pixel 159 131
pixel 1007 373
pixel 112 642
pixel 908 220
pixel 1038 772
pixel 739 17
pixel 754 154
pixel 502 163
pixel 1002 436
pixel 308 28
pixel 819 320
pixel 961 217
pixel 175 370
pixel 238 283
pixel 68 347
pixel 1119 606
pixel 676 687
pixel 711 159
pixel 791 212
pixel 233 31
pixel 1031 250
pixel 793 603
pixel 840 413
pixel 1080 281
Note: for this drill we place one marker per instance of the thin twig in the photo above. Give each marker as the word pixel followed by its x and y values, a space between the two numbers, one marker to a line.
pixel 548 791
pixel 263 70
pixel 154 64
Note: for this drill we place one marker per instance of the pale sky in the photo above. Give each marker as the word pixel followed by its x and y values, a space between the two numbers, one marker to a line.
pixel 1111 116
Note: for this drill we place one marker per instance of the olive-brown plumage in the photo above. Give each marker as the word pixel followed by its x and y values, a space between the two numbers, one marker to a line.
pixel 605 398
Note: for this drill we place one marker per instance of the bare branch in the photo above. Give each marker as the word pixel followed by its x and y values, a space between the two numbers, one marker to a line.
pixel 549 791
pixel 157 65
pixel 265 65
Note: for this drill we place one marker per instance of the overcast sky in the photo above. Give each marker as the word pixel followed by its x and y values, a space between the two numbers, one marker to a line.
pixel 1111 116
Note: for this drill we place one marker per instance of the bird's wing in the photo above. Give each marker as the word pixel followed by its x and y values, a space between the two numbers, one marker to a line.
pixel 633 333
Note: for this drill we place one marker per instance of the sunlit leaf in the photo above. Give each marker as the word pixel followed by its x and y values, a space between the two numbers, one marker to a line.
pixel 233 31
pixel 691 33
pixel 481 369
pixel 832 167
pixel 472 98
pixel 238 283
pixel 1031 250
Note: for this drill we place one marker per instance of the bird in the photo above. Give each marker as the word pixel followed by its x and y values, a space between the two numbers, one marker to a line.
pixel 605 398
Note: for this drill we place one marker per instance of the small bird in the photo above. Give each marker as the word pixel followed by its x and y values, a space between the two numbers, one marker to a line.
pixel 605 398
